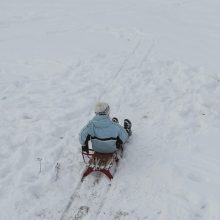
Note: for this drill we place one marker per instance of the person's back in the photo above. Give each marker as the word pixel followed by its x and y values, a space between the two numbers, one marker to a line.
pixel 104 134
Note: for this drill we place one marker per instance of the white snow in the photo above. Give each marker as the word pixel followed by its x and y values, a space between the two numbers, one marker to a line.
pixel 155 62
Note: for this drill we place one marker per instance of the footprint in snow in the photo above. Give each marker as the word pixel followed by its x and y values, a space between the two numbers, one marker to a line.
pixel 120 215
pixel 82 211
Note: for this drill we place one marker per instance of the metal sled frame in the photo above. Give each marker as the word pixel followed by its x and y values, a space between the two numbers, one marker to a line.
pixel 100 162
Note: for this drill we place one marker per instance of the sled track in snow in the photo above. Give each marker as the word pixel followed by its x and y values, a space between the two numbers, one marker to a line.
pixel 81 209
pixel 122 66
pixel 138 64
pixel 72 197
pixel 83 204
pixel 78 186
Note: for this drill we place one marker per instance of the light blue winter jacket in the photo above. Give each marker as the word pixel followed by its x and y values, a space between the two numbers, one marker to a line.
pixel 103 133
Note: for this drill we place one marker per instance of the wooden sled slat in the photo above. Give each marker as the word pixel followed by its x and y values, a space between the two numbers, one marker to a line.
pixel 100 162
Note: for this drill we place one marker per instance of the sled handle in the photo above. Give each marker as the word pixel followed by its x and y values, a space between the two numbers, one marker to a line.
pixel 88 154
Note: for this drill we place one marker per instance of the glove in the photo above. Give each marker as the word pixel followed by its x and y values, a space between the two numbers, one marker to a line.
pixel 85 148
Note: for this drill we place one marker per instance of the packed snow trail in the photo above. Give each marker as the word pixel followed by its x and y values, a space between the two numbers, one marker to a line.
pixel 88 199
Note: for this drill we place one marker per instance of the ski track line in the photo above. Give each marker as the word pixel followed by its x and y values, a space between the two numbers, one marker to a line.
pixel 137 45
pixel 76 205
pixel 86 202
pixel 71 200
pixel 106 191
pixel 139 64
pixel 146 56
pixel 103 199
pixel 128 57
pixel 100 200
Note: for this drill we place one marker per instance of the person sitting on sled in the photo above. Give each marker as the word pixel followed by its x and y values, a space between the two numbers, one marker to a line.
pixel 105 134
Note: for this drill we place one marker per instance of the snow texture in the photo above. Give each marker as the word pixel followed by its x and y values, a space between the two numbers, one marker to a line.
pixel 155 62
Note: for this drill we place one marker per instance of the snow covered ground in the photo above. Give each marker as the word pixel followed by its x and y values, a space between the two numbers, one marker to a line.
pixel 155 62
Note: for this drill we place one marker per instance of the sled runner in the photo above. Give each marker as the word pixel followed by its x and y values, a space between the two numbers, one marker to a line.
pixel 101 162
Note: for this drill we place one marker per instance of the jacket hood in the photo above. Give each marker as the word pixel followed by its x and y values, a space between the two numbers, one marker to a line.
pixel 101 121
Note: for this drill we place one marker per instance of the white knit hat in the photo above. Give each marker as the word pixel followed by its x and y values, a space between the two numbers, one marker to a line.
pixel 102 108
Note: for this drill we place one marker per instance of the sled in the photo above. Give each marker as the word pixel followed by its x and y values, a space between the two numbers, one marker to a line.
pixel 99 162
